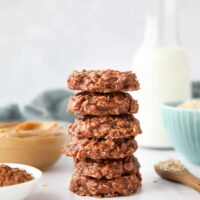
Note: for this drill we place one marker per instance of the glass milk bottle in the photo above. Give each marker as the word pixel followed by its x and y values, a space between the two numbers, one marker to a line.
pixel 162 68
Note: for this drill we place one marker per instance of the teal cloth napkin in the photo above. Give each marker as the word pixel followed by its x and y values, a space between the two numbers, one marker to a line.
pixel 50 105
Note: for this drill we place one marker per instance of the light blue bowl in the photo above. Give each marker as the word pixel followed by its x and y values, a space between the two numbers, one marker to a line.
pixel 183 128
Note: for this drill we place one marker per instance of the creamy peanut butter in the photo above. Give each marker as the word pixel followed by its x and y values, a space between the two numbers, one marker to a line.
pixel 38 144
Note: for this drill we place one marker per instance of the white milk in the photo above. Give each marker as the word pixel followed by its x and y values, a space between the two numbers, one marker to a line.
pixel 162 69
pixel 163 75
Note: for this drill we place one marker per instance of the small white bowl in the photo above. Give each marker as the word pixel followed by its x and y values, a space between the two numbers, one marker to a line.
pixel 22 190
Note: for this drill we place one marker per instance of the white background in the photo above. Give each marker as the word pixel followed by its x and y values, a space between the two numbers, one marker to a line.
pixel 41 41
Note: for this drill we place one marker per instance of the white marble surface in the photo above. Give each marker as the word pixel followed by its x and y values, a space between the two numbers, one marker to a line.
pixel 54 184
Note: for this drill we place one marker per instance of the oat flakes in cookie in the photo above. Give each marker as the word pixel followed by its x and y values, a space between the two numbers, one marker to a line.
pixel 103 138
pixel 122 186
pixel 107 169
pixel 99 104
pixel 104 81
pixel 108 127
pixel 97 149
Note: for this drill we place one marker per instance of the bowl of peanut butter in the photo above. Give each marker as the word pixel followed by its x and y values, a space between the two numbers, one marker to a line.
pixel 38 144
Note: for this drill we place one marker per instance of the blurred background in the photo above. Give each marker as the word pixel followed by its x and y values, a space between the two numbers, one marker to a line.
pixel 42 41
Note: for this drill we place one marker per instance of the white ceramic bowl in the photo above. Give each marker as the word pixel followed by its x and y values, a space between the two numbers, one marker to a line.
pixel 22 190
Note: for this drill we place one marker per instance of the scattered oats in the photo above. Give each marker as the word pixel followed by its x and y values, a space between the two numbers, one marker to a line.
pixel 155 181
pixel 45 185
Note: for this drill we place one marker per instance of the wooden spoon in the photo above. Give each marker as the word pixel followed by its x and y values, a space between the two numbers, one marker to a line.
pixel 173 170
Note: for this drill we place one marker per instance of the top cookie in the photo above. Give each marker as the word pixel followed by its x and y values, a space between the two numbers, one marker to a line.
pixel 104 81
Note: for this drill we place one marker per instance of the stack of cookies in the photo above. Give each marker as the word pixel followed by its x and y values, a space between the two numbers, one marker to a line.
pixel 103 139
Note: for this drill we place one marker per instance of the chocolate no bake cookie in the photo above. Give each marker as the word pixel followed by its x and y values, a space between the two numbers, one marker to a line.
pixel 102 140
pixel 103 81
pixel 107 169
pixel 85 103
pixel 97 149
pixel 108 127
pixel 122 186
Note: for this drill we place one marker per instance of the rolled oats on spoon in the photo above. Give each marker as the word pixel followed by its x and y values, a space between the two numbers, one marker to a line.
pixel 174 170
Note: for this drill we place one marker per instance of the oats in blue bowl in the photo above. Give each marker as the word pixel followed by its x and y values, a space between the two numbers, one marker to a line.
pixel 182 124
